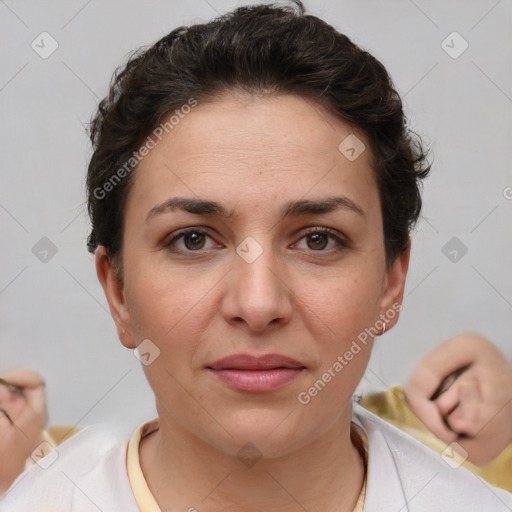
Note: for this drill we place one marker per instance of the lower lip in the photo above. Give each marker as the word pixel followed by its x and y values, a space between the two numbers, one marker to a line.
pixel 257 381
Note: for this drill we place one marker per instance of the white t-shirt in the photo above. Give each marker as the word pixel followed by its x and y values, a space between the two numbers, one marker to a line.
pixel 90 473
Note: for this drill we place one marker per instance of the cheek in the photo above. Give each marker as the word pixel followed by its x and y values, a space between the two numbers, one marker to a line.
pixel 164 303
pixel 345 306
pixel 173 310
pixel 339 315
pixel 167 310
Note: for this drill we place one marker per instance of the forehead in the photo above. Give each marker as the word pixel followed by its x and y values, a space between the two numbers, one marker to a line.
pixel 260 148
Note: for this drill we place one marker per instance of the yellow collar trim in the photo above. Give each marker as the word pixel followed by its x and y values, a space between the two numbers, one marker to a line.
pixel 140 489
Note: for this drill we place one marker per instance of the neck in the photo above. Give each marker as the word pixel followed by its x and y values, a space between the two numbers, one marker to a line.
pixel 185 473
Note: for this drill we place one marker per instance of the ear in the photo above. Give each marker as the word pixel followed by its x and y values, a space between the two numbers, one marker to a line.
pixel 114 292
pixel 393 289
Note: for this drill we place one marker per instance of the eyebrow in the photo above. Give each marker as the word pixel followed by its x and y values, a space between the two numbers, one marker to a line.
pixel 291 209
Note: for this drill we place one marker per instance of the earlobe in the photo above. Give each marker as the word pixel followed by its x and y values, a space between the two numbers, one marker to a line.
pixel 393 293
pixel 113 289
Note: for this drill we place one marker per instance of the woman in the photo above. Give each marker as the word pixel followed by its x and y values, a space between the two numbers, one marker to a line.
pixel 251 192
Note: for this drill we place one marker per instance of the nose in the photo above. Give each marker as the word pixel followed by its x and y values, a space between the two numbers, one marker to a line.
pixel 258 294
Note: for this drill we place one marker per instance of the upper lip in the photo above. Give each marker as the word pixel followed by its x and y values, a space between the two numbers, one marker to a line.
pixel 249 362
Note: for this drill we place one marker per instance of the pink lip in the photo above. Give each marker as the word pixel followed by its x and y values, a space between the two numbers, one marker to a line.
pixel 256 374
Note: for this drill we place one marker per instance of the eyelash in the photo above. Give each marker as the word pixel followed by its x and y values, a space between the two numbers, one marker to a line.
pixel 342 244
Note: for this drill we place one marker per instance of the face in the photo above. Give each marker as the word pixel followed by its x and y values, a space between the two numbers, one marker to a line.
pixel 290 262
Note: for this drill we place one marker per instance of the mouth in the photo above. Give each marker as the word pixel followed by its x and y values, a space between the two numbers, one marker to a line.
pixel 244 372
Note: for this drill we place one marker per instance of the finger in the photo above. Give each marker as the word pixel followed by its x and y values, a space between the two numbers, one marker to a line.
pixel 418 390
pixel 466 421
pixel 444 359
pixel 37 401
pixel 8 387
pixel 449 400
pixel 23 378
pixel 31 412
pixel 448 381
pixel 467 417
pixel 429 414
pixel 422 383
pixel 5 414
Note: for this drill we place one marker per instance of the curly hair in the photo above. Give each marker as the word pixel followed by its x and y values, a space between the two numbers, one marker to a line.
pixel 261 49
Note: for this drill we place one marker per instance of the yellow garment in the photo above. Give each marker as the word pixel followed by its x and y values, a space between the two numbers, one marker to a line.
pixel 52 437
pixel 143 496
pixel 391 405
pixel 57 434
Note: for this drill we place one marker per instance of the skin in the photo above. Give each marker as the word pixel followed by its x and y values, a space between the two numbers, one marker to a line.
pixel 301 297
pixel 478 404
pixel 29 417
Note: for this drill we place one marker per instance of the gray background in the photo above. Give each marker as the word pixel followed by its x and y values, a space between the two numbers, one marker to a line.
pixel 54 317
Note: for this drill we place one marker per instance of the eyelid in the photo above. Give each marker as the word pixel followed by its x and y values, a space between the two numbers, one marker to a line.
pixel 176 235
pixel 343 241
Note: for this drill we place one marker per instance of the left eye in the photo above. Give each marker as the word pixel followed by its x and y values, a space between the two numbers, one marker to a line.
pixel 318 240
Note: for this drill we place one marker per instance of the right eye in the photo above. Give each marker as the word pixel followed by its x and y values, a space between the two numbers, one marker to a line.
pixel 190 240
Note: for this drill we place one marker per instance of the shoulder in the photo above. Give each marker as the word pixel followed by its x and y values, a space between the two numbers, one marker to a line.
pixel 85 472
pixel 405 473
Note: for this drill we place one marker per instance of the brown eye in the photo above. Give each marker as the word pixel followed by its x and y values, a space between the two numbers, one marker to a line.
pixel 318 241
pixel 189 240
pixel 195 240
pixel 323 240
